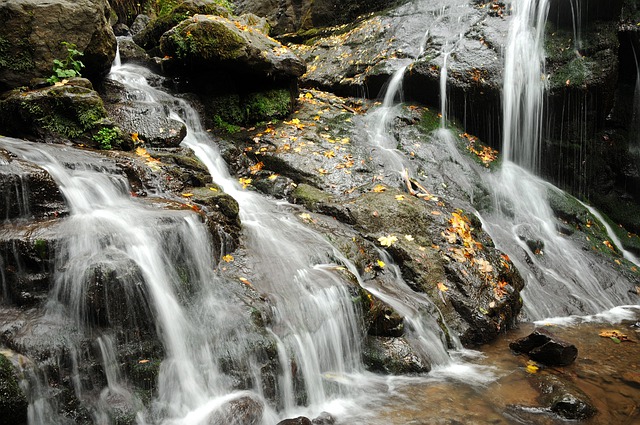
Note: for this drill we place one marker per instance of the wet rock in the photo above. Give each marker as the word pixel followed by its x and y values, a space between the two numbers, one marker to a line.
pixel 291 16
pixel 139 24
pixel 324 418
pixel 27 190
pixel 149 120
pixel 13 402
pixel 242 411
pixel 31 33
pixel 564 399
pixel 26 258
pixel 542 346
pixel 149 36
pixel 300 420
pixel 392 356
pixel 130 52
pixel 115 294
pixel 121 30
pixel 72 111
pixel 209 44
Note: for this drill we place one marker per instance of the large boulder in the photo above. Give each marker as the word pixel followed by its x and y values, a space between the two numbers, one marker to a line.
pixel 290 16
pixel 13 402
pixel 220 48
pixel 32 32
pixel 70 110
pixel 148 36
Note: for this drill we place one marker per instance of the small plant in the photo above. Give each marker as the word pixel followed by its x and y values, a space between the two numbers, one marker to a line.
pixel 106 138
pixel 69 67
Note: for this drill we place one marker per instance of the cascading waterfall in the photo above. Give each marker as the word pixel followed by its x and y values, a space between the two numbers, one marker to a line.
pixel 315 323
pixel 108 227
pixel 561 279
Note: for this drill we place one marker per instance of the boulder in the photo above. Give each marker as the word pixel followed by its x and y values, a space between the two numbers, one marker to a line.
pixel 149 120
pixel 291 16
pixel 148 34
pixel 66 111
pixel 564 399
pixel 27 190
pixel 242 411
pixel 220 48
pixel 392 356
pixel 300 420
pixel 13 402
pixel 542 346
pixel 130 52
pixel 31 36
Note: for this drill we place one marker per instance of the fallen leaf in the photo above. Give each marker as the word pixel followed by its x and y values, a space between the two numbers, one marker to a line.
pixel 257 167
pixel 245 281
pixel 305 216
pixel 400 198
pixel 442 287
pixel 381 264
pixel 244 182
pixel 408 237
pixel 228 258
pixel 379 188
pixel 187 195
pixel 273 176
pixel 532 367
pixel 387 240
pixel 434 212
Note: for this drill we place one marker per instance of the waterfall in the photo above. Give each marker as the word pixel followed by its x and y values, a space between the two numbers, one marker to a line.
pixel 316 326
pixel 524 84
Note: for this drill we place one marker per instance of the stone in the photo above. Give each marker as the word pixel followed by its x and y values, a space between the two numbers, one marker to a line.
pixel 139 23
pixel 214 46
pixel 148 37
pixel 130 52
pixel 392 356
pixel 300 420
pixel 324 418
pixel 542 346
pixel 13 402
pixel 31 33
pixel 564 399
pixel 69 111
pixel 241 411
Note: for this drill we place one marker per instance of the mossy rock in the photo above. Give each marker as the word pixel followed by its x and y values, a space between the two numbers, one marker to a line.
pixel 231 111
pixel 69 111
pixel 171 13
pixel 13 402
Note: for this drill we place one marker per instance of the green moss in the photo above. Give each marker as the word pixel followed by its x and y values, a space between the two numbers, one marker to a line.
pixel 208 39
pixel 221 124
pixel 144 373
pixel 310 196
pixel 268 105
pixel 40 245
pixel 106 138
pixel 15 57
pixel 430 121
pixel 13 403
pixel 574 73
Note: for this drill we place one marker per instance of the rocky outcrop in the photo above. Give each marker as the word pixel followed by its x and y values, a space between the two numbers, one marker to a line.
pixel 291 16
pixel 31 36
pixel 13 402
pixel 69 110
pixel 148 35
pixel 220 48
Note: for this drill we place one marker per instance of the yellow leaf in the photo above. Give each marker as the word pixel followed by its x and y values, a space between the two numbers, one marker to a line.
pixel 244 182
pixel 143 361
pixel 273 176
pixel 442 287
pixel 245 281
pixel 408 237
pixel 387 240
pixel 187 195
pixel 400 198
pixel 484 266
pixel 608 245
pixel 305 216
pixel 308 95
pixel 213 189
pixel 228 258
pixel 329 154
pixel 379 188
pixel 257 167
pixel 381 264
pixel 532 367
pixel 134 138
pixel 322 171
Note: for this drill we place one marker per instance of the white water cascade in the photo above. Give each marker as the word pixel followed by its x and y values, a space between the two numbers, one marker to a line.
pixel 315 324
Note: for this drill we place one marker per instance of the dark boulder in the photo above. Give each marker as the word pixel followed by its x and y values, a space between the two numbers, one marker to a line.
pixel 13 402
pixel 31 33
pixel 66 111
pixel 216 46
pixel 26 190
pixel 542 346
pixel 564 399
pixel 392 356
pixel 300 420
pixel 147 34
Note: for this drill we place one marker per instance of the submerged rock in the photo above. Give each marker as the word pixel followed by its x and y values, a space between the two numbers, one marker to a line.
pixel 564 399
pixel 242 411
pixel 300 420
pixel 32 32
pixel 542 346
